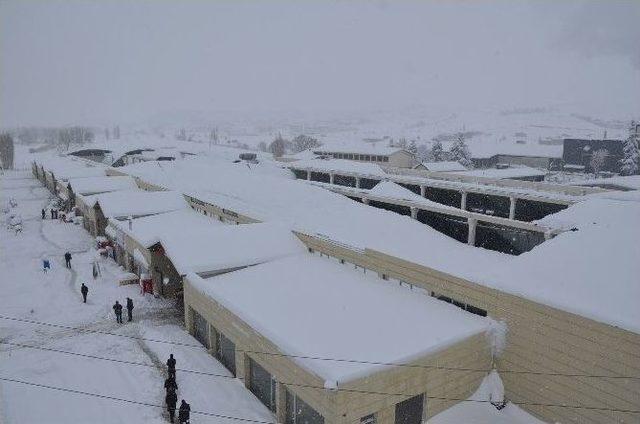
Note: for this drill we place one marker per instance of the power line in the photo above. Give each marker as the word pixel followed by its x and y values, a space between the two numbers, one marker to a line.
pixel 117 399
pixel 230 417
pixel 291 384
pixel 319 358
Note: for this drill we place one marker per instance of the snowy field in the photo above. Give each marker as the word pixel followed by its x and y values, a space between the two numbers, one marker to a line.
pixel 83 367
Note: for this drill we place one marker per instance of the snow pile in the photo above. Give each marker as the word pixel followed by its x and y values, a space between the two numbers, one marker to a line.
pixel 315 307
pixel 497 335
pixel 479 410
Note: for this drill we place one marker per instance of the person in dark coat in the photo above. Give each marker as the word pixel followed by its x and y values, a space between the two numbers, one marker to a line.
pixel 183 414
pixel 171 399
pixel 44 214
pixel 84 290
pixel 171 366
pixel 117 308
pixel 170 384
pixel 67 259
pixel 130 308
pixel 52 213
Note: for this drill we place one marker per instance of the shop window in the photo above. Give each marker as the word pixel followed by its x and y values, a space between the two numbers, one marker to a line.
pixel 465 306
pixel 299 412
pixel 369 419
pixel 262 384
pixel 200 329
pixel 226 352
pixel 410 410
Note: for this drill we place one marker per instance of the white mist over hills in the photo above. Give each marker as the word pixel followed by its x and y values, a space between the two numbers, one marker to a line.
pixel 100 63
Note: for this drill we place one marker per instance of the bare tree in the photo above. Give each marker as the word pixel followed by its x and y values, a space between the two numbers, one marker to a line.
pixel 437 152
pixel 6 150
pixel 262 146
pixel 304 142
pixel 460 151
pixel 278 146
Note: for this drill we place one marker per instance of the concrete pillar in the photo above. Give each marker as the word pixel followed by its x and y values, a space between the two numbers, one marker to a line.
pixel 332 178
pixel 512 207
pixel 471 239
pixel 463 201
pixel 365 200
pixel 243 370
pixel 308 175
pixel 213 340
pixel 188 319
pixel 281 403
pixel 423 191
pixel 414 213
pixel 357 182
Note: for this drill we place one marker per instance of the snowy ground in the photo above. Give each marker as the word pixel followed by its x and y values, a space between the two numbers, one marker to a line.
pixel 29 294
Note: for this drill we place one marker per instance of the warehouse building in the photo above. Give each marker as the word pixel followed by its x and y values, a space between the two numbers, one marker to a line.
pixel 318 341
pixel 121 205
pixel 167 246
pixel 382 155
pixel 88 186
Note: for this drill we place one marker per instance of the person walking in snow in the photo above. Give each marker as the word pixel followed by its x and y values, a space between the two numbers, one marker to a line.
pixel 52 213
pixel 44 214
pixel 171 399
pixel 67 259
pixel 183 414
pixel 130 308
pixel 117 308
pixel 46 265
pixel 171 366
pixel 170 384
pixel 84 290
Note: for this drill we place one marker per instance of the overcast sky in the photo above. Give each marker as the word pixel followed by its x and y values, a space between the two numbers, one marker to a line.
pixel 101 62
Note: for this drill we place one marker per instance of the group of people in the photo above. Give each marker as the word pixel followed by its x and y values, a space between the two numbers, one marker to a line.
pixel 54 213
pixel 171 399
pixel 117 308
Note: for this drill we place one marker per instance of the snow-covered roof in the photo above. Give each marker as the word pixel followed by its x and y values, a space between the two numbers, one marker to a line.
pixel 66 167
pixel 511 172
pixel 269 194
pixel 303 155
pixel 149 230
pixel 315 307
pixel 631 182
pixel 361 148
pixel 341 165
pixel 488 148
pixel 119 204
pixel 446 166
pixel 230 246
pixel 94 185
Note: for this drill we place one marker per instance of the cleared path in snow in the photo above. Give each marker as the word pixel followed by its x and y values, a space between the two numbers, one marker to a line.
pixel 55 297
